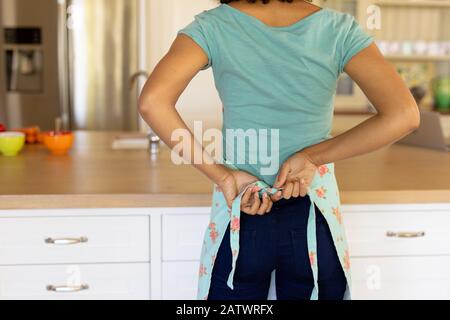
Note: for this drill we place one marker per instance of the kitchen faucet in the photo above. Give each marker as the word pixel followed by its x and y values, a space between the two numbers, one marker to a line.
pixel 152 136
pixel 136 76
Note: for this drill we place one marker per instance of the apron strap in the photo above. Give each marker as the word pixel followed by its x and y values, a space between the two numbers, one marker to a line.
pixel 312 249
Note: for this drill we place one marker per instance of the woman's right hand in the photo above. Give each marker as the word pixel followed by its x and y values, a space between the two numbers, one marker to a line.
pixel 234 182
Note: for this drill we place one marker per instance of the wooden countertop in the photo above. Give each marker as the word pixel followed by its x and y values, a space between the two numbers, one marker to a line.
pixel 93 175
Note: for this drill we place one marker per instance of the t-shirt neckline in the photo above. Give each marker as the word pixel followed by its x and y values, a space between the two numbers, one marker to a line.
pixel 259 22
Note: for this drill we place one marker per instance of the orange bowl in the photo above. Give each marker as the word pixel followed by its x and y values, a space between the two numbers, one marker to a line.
pixel 40 138
pixel 58 143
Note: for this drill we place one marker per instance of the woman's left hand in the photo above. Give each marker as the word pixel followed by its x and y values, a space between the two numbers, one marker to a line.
pixel 295 176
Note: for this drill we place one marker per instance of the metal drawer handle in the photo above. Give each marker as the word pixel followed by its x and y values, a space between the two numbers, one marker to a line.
pixel 419 234
pixel 66 241
pixel 67 289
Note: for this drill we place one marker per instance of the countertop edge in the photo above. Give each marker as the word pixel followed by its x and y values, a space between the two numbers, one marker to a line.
pixel 91 201
pixel 395 197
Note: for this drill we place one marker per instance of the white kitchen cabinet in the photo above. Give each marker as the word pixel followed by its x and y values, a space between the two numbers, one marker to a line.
pixel 401 278
pixel 49 240
pixel 391 248
pixel 413 263
pixel 183 236
pixel 76 282
pixel 385 278
pixel 399 251
pixel 180 280
pixel 75 254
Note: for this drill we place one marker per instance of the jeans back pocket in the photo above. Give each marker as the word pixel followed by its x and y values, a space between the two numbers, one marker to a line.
pixel 302 264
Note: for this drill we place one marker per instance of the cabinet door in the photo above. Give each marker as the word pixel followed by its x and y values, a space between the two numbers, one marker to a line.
pixel 401 278
pixel 180 280
pixel 76 282
pixel 183 236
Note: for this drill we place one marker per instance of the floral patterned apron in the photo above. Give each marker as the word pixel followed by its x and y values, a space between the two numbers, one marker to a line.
pixel 323 192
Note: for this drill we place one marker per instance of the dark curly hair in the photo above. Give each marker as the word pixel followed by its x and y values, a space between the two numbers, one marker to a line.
pixel 263 1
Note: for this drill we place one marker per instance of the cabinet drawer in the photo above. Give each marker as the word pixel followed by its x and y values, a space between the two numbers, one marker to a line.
pixel 399 233
pixel 74 240
pixel 183 236
pixel 180 280
pixel 402 278
pixel 75 282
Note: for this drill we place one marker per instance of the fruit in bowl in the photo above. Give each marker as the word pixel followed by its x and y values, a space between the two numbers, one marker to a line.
pixel 11 143
pixel 31 134
pixel 58 142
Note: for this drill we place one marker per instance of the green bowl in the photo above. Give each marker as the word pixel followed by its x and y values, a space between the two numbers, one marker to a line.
pixel 11 143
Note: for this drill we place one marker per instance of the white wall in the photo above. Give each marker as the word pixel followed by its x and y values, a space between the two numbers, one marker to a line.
pixel 200 101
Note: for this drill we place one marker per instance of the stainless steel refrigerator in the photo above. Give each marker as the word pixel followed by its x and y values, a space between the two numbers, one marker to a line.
pixel 72 59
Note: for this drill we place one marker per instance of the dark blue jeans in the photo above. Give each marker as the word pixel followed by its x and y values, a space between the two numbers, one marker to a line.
pixel 278 241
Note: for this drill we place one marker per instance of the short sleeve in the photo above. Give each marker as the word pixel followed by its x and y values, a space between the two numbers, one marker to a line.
pixel 354 39
pixel 197 32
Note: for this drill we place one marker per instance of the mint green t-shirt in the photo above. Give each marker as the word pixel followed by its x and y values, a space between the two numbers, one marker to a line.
pixel 280 78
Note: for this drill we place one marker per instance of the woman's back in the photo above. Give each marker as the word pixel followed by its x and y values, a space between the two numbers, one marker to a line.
pixel 275 76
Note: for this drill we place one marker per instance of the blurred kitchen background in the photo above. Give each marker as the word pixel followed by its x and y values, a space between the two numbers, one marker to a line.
pixel 415 36
pixel 66 59
pixel 86 60
pixel 93 207
pixel 70 59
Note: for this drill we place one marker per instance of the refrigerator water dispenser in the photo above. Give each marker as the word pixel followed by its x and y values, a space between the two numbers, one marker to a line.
pixel 23 59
